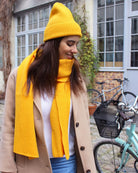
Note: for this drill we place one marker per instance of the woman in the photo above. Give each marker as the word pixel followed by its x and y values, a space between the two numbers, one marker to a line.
pixel 46 122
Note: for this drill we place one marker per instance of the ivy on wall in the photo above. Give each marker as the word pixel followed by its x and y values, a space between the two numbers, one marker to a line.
pixel 87 54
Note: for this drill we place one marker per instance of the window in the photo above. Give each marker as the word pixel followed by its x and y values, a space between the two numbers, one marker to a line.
pixel 68 4
pixel 29 30
pixel 21 23
pixel 134 5
pixel 134 42
pixel 43 17
pixel 20 48
pixel 34 41
pixel 110 32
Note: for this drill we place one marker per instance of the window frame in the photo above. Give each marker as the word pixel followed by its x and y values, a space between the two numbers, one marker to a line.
pixel 27 32
pixel 38 30
pixel 131 14
pixel 114 36
pixel 128 15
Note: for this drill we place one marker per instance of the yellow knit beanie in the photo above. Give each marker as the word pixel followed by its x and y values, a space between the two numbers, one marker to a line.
pixel 61 23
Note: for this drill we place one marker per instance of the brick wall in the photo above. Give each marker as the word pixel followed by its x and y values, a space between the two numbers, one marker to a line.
pixel 107 77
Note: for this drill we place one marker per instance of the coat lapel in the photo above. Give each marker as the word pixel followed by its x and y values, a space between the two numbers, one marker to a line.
pixel 78 106
pixel 74 104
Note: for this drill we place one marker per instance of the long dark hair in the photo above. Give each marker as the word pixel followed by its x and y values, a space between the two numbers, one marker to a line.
pixel 44 69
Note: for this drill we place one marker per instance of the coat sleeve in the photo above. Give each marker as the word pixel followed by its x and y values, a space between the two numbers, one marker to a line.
pixel 7 162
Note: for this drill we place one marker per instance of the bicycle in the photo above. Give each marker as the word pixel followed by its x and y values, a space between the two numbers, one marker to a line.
pixel 97 97
pixel 118 155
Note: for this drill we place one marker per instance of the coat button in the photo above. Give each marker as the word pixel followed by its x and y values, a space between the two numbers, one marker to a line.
pixel 88 171
pixel 82 148
pixel 77 124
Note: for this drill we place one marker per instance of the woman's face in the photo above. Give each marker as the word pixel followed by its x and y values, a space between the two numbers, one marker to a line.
pixel 68 47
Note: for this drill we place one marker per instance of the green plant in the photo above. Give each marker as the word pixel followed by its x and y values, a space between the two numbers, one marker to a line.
pixel 87 54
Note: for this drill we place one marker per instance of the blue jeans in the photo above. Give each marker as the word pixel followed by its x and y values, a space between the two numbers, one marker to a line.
pixel 61 165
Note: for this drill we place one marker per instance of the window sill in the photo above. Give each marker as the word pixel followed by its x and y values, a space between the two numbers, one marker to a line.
pixel 132 68
pixel 112 69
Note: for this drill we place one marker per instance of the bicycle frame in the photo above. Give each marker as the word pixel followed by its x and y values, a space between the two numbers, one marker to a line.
pixel 106 91
pixel 132 139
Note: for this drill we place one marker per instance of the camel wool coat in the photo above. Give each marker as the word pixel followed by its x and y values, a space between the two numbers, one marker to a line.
pixel 15 163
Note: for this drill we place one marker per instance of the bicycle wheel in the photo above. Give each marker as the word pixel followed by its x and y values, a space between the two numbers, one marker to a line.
pixel 94 96
pixel 107 156
pixel 128 99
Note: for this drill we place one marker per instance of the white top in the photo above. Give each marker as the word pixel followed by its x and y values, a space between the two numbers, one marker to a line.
pixel 46 103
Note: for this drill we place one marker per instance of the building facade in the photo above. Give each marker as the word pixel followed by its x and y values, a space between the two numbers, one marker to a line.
pixel 113 24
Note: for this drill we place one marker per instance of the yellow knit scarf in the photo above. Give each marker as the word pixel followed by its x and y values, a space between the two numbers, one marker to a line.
pixel 59 115
pixel 24 133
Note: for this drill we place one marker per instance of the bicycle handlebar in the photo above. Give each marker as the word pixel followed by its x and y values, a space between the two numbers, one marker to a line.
pixel 132 109
pixel 125 116
pixel 118 80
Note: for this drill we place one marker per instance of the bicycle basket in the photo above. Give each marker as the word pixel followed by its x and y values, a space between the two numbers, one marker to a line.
pixel 108 121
